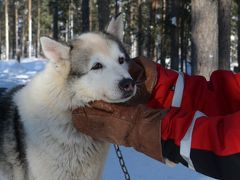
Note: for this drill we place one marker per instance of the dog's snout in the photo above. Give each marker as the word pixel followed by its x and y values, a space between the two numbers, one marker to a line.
pixel 127 85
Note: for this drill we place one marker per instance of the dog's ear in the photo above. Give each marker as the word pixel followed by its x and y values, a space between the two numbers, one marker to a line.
pixel 54 50
pixel 115 27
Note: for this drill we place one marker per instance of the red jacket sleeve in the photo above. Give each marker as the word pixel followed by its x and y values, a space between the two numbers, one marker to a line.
pixel 219 96
pixel 209 145
pixel 202 129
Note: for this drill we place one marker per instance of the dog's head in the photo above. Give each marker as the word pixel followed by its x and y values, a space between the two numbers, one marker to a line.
pixel 98 65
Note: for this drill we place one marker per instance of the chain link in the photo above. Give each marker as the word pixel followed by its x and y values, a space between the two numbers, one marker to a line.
pixel 121 162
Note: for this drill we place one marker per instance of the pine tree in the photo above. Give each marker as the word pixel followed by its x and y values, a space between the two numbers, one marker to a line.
pixel 1 30
pixel 6 31
pixel 174 34
pixel 38 28
pixel 103 13
pixel 85 15
pixel 140 28
pixel 29 28
pixel 16 31
pixel 55 19
pixel 204 36
pixel 238 32
pixel 224 20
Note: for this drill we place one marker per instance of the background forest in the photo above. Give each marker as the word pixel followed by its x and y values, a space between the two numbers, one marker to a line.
pixel 193 36
pixel 201 34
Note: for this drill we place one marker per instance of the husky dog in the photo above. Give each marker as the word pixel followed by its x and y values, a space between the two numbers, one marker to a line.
pixel 38 140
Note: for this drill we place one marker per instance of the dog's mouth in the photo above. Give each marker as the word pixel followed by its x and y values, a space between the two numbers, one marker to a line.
pixel 129 94
pixel 125 96
pixel 121 100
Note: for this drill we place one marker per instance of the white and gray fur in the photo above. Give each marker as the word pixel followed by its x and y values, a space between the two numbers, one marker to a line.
pixel 38 140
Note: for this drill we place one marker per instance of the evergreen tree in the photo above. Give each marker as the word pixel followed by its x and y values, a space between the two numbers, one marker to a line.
pixel 204 36
pixel 224 20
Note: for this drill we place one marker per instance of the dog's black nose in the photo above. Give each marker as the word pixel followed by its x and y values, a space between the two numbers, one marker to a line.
pixel 127 85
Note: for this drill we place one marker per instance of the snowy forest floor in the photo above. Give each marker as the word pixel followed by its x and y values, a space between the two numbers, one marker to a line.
pixel 139 166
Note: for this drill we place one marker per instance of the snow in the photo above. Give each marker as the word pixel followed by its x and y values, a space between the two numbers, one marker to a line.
pixel 174 21
pixel 13 73
pixel 140 166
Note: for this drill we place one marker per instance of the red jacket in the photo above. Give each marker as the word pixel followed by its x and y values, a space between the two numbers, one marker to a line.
pixel 202 129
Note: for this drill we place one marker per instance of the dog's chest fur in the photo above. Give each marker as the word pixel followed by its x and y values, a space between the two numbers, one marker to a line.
pixel 54 149
pixel 80 161
pixel 51 158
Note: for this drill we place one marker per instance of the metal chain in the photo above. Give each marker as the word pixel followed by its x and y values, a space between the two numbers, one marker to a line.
pixel 121 162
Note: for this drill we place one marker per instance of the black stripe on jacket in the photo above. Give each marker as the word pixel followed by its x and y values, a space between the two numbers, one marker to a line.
pixel 206 162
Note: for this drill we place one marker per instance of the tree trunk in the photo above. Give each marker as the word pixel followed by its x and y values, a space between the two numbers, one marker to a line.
pixel 77 18
pixel 204 36
pixel 184 35
pixel 150 34
pixel 1 36
pixel 71 11
pixel 38 28
pixel 117 7
pixel 224 20
pixel 6 31
pixel 164 33
pixel 182 43
pixel 91 5
pixel 85 15
pixel 23 39
pixel 238 31
pixel 29 28
pixel 133 42
pixel 140 29
pixel 55 20
pixel 103 13
pixel 16 32
pixel 12 36
pixel 174 35
pixel 67 26
pixel 127 33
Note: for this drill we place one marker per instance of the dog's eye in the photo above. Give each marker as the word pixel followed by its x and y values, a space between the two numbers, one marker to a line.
pixel 121 60
pixel 97 66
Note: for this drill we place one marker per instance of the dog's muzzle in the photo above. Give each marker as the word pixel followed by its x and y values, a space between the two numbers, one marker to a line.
pixel 126 85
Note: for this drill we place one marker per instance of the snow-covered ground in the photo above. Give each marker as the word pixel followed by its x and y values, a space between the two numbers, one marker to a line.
pixel 139 166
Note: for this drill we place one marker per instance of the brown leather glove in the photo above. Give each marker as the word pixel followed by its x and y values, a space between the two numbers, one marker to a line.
pixel 144 72
pixel 137 127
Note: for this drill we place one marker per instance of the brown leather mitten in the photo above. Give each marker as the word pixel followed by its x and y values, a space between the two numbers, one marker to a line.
pixel 138 127
pixel 144 72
